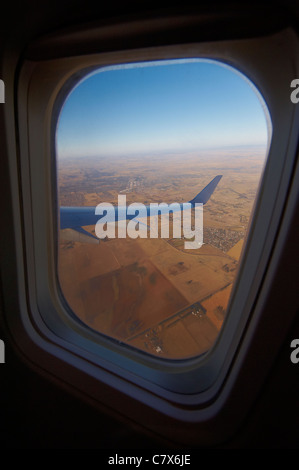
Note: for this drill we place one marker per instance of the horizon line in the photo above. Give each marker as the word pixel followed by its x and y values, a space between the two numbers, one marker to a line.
pixel 148 153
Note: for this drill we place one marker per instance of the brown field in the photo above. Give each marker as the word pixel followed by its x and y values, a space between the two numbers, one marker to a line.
pixel 153 293
pixel 214 306
pixel 178 337
pixel 236 250
pixel 117 303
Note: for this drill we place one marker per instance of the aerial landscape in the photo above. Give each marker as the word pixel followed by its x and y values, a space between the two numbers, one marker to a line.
pixel 159 132
pixel 154 294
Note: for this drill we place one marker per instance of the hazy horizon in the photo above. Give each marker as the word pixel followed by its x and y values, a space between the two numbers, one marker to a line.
pixel 211 152
pixel 176 107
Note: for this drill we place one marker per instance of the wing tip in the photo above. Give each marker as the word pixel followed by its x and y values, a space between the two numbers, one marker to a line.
pixel 204 195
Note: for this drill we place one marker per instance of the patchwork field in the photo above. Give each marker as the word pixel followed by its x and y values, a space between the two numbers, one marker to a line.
pixel 153 293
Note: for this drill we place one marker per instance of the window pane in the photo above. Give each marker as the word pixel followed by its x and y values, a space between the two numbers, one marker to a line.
pixel 146 134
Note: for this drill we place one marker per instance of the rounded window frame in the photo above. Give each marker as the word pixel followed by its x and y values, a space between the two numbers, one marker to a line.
pixel 195 381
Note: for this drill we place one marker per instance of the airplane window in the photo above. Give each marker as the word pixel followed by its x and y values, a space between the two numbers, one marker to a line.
pixel 158 166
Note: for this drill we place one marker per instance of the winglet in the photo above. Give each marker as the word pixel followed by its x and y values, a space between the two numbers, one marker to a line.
pixel 206 193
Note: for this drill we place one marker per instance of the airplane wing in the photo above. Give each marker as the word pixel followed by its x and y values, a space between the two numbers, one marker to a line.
pixel 74 218
pixel 206 193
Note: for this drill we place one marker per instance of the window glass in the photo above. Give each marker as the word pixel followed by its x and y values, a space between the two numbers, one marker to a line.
pixel 187 137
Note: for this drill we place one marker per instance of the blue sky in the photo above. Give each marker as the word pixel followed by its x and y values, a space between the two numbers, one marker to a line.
pixel 162 107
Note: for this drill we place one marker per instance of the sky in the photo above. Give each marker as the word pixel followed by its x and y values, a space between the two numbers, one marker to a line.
pixel 179 105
